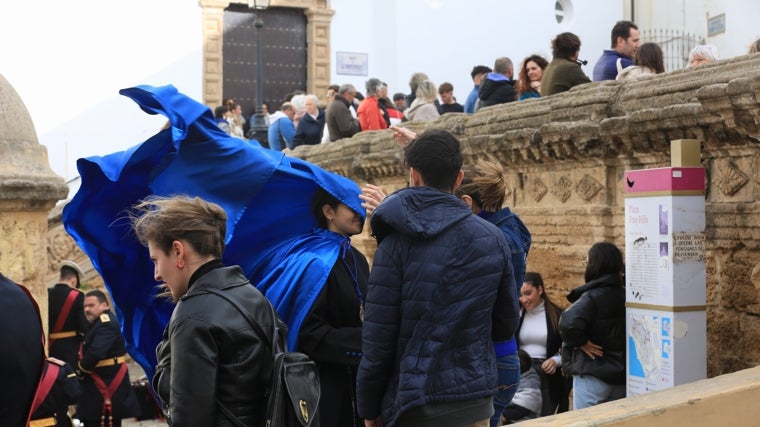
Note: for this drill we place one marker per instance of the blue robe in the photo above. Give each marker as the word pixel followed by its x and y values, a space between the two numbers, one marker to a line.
pixel 266 195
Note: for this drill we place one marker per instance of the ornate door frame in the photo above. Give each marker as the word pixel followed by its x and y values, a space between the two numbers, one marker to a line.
pixel 318 20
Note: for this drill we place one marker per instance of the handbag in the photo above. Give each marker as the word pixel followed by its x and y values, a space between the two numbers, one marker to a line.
pixel 293 397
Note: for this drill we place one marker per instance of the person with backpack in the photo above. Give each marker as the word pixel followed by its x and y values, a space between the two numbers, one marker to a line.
pixel 214 368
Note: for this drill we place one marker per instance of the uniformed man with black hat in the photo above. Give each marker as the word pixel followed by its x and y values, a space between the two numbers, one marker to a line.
pixel 66 321
pixel 107 395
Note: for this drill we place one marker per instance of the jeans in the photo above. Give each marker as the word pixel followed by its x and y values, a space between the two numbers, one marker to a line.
pixel 589 390
pixel 508 369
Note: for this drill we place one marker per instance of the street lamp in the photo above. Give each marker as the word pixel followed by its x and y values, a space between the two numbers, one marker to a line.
pixel 259 125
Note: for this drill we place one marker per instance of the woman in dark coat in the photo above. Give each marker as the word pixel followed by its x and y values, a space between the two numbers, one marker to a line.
pixel 331 333
pixel 593 330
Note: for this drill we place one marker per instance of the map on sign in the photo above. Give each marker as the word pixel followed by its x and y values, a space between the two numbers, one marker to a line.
pixel 649 345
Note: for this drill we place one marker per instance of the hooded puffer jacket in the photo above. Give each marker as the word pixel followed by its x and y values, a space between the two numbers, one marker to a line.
pixel 438 273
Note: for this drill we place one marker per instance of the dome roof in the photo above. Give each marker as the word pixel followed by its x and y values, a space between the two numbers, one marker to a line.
pixel 25 172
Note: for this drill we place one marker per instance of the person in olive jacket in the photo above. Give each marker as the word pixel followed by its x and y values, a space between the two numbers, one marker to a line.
pixel 593 330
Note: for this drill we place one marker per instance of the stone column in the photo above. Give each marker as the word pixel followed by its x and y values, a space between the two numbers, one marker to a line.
pixel 28 190
pixel 318 42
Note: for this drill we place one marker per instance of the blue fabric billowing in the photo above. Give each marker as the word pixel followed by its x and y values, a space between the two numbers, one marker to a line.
pixel 294 273
pixel 266 195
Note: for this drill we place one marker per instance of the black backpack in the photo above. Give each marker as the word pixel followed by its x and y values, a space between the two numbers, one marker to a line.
pixel 293 398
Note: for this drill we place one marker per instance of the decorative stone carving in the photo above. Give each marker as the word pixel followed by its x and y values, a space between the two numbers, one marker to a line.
pixel 730 179
pixel 536 188
pixel 562 188
pixel 587 187
pixel 60 247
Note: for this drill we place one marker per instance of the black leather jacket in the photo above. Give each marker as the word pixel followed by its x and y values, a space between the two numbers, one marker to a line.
pixel 210 352
pixel 597 314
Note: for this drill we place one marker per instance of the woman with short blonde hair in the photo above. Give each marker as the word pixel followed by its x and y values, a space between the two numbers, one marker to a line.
pixel 423 108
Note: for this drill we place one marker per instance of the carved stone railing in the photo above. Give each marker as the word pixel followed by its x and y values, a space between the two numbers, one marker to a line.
pixel 565 156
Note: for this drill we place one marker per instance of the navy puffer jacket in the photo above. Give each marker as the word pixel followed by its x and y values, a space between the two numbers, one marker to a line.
pixel 430 320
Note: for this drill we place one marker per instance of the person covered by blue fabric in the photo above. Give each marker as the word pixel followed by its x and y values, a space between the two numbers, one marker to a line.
pixel 623 45
pixel 331 333
pixel 214 367
pixel 265 194
pixel 441 292
pixel 483 189
pixel 593 330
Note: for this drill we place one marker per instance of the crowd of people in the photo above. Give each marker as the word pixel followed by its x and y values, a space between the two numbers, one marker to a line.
pixel 348 112
pixel 449 327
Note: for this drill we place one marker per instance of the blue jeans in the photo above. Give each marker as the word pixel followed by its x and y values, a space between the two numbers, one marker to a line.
pixel 508 369
pixel 589 390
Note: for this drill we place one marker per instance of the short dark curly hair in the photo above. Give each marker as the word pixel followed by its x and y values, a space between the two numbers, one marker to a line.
pixel 565 45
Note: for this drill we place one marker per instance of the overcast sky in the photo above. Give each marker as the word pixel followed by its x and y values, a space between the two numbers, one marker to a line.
pixel 68 59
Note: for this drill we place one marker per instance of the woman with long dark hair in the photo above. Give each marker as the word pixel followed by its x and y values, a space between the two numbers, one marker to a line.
pixel 538 335
pixel 593 330
pixel 529 79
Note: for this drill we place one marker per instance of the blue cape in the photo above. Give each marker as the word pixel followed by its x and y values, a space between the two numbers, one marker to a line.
pixel 266 195
pixel 294 274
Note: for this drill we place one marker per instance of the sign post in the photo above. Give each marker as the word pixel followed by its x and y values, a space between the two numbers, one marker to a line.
pixel 665 272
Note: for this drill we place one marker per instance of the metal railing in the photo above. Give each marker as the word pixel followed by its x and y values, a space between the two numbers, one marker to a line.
pixel 675 45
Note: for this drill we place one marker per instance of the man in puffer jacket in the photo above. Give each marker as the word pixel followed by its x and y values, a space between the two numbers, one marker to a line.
pixel 441 291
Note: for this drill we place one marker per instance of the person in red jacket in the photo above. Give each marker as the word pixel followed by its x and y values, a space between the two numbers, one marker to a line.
pixel 370 116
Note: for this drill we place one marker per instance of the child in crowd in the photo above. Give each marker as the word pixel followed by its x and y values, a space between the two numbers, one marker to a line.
pixel 527 401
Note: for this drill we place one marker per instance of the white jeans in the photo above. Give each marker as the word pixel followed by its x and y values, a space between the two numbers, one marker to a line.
pixel 589 390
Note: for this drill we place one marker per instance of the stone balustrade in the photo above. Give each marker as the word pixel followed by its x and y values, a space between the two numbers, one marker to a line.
pixel 564 158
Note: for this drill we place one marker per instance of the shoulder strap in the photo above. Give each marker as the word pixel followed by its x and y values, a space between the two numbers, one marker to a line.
pixel 49 375
pixel 283 141
pixel 256 327
pixel 64 314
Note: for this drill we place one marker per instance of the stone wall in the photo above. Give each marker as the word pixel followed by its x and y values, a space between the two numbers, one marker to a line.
pixel 565 156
